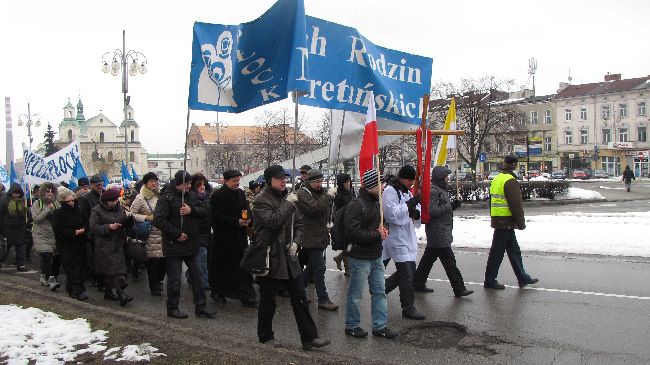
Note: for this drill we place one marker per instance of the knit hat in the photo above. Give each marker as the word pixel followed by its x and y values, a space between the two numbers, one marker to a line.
pixel 110 195
pixel 83 181
pixel 96 179
pixel 370 179
pixel 314 175
pixel 149 176
pixel 253 184
pixel 229 174
pixel 178 177
pixel 62 192
pixel 407 172
pixel 274 171
pixel 512 160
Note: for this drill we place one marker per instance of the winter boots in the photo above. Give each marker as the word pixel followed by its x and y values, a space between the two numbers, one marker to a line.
pixel 53 283
pixel 123 297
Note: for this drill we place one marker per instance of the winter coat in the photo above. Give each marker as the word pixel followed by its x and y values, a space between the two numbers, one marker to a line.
pixel 42 232
pixel 512 191
pixel 86 204
pixel 441 216
pixel 66 221
pixel 361 223
pixel 110 259
pixel 628 175
pixel 229 239
pixel 167 218
pixel 401 245
pixel 343 196
pixel 144 205
pixel 272 224
pixel 315 206
pixel 13 225
pixel 205 226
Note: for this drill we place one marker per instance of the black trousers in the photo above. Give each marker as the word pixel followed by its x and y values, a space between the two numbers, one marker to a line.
pixel 268 291
pixel 174 273
pixel 50 264
pixel 505 241
pixel 403 277
pixel 73 262
pixel 17 240
pixel 156 269
pixel 448 260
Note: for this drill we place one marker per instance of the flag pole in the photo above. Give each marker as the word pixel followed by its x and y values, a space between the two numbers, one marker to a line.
pixel 187 131
pixel 295 138
pixel 381 204
pixel 457 170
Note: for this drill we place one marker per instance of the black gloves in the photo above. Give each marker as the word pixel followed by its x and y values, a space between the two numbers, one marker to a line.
pixel 455 204
pixel 412 204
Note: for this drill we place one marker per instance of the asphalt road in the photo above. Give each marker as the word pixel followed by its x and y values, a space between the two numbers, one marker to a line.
pixel 584 310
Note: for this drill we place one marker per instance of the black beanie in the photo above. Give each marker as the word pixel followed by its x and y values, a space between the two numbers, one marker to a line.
pixel 178 177
pixel 407 172
pixel 149 176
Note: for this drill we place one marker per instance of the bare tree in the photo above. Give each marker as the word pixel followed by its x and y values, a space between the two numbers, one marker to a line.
pixel 482 111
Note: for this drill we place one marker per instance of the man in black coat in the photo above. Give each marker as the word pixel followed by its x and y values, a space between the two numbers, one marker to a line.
pixel 439 237
pixel 177 216
pixel 230 218
pixel 86 204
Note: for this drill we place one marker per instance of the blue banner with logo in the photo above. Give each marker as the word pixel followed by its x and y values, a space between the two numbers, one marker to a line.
pixel 240 67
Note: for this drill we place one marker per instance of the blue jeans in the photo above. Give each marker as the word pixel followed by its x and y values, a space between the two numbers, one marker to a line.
pixel 316 269
pixel 360 271
pixel 202 266
pixel 505 241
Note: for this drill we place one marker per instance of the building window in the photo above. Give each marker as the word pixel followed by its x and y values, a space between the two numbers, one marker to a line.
pixel 69 114
pixel 132 135
pixel 641 134
pixel 567 114
pixel 583 113
pixel 622 110
pixel 533 117
pixel 607 135
pixel 101 137
pixel 584 137
pixel 622 135
pixel 606 111
pixel 612 165
pixel 70 135
pixel 547 143
pixel 131 156
pixel 129 118
pixel 110 156
pixel 640 106
pixel 568 139
pixel 547 116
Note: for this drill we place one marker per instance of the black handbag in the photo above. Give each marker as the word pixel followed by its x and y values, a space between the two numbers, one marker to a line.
pixel 256 259
pixel 136 250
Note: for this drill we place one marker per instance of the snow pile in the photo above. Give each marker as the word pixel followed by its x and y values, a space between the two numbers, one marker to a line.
pixel 135 353
pixel 615 234
pixel 33 335
pixel 577 193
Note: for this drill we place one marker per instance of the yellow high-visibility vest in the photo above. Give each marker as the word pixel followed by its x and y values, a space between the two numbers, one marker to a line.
pixel 498 203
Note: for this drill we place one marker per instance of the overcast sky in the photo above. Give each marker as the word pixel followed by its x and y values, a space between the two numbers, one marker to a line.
pixel 52 49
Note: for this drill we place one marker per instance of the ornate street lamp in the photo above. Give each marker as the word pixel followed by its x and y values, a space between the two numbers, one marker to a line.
pixel 26 119
pixel 128 63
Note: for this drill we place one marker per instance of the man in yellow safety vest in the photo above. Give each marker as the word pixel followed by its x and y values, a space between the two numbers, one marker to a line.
pixel 507 214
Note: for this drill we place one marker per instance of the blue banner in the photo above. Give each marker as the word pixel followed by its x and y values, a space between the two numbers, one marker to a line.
pixel 239 67
pixel 265 59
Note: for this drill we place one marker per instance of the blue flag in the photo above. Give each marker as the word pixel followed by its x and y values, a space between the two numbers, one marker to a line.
pixel 77 173
pixel 240 67
pixel 4 177
pixel 13 177
pixel 105 179
pixel 259 62
pixel 126 177
pixel 133 174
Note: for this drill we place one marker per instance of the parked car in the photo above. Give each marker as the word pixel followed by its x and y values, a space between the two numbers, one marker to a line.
pixel 534 173
pixel 462 176
pixel 559 175
pixel 580 174
pixel 492 175
pixel 589 172
pixel 600 174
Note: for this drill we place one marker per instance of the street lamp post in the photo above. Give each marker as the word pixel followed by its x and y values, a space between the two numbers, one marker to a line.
pixel 120 61
pixel 26 119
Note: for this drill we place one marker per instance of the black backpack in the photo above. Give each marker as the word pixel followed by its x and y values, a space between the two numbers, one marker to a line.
pixel 337 232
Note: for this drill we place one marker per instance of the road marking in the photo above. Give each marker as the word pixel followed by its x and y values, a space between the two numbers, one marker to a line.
pixel 545 289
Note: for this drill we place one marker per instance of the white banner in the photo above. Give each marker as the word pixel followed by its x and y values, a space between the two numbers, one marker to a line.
pixel 54 168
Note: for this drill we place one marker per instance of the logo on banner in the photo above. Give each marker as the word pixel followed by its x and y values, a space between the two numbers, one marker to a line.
pixel 215 80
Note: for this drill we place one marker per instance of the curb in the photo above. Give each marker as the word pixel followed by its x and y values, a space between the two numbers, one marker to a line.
pixel 536 203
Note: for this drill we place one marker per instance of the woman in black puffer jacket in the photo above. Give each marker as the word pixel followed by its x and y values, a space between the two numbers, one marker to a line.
pixel 344 194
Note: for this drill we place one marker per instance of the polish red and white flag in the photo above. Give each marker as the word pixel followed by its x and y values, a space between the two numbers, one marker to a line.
pixel 370 142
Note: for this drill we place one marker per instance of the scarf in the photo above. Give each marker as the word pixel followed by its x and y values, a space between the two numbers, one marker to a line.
pixel 16 207
pixel 147 193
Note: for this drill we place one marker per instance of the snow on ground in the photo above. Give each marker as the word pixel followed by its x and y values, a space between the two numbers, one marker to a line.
pixel 615 234
pixel 31 335
pixel 578 193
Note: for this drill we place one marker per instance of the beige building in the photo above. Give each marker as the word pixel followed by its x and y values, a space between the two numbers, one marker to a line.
pixel 101 142
pixel 604 125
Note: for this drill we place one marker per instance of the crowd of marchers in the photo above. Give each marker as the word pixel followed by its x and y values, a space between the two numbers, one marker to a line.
pixel 99 236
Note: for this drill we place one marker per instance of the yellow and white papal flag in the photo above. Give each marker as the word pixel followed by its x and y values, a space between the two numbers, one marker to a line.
pixel 447 142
